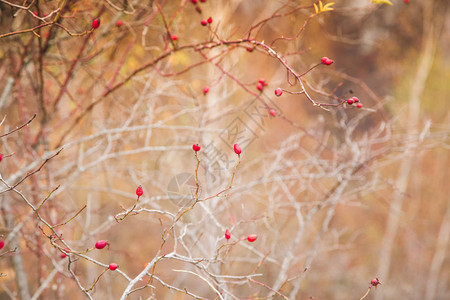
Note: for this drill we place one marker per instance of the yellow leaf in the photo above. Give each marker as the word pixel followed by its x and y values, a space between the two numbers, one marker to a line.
pixel 328 7
pixel 382 2
pixel 322 8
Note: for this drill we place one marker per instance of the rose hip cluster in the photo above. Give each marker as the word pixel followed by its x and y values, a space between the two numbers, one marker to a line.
pixel 326 61
pixel 261 84
pixel 251 237
pixel 354 100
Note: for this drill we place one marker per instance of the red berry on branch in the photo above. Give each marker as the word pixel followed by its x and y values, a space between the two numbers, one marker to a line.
pixel 204 22
pixel 206 90
pixel 1 157
pixel 350 101
pixel 237 149
pixel 406 1
pixel 96 23
pixel 196 147
pixel 259 86
pixel 250 49
pixel 119 23
pixel 113 266
pixel 359 105
pixel 278 92
pixel 63 255
pixel 174 37
pixel 355 99
pixel 251 238
pixel 139 191
pixel 209 20
pixel 325 60
pixel 227 234
pixel 35 13
pixel 101 244
pixel 262 81
pixel 272 112
pixel 2 244
pixel 194 1
pixel 374 282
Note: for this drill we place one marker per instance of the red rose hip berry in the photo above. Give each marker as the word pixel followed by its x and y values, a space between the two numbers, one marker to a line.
pixel 227 234
pixel 374 282
pixel 113 266
pixel 260 86
pixel 252 237
pixel 196 147
pixel 96 23
pixel 278 92
pixel 139 191
pixel 101 244
pixel 237 149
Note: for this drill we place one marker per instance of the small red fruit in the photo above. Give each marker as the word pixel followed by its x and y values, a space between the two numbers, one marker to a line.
pixel 272 112
pixel 227 234
pixel 237 149
pixel 250 49
pixel 350 101
pixel 262 81
pixel 251 238
pixel 359 105
pixel 325 60
pixel 63 255
pixel 174 37
pixel 119 23
pixel 209 20
pixel 406 1
pixel 96 23
pixel 139 191
pixel 204 22
pixel 35 13
pixel 278 92
pixel 206 90
pixel 2 244
pixel 101 244
pixel 113 266
pixel 355 99
pixel 194 1
pixel 259 86
pixel 196 147
pixel 1 157
pixel 374 282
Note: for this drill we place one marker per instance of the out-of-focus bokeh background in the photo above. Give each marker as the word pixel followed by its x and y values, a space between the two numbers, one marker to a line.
pixel 336 196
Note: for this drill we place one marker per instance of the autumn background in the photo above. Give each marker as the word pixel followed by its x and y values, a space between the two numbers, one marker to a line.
pixel 336 195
